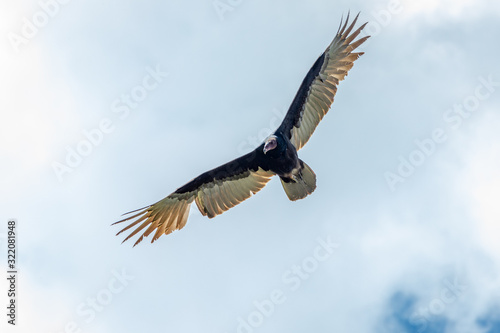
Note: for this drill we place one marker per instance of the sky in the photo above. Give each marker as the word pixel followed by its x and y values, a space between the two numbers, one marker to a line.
pixel 107 107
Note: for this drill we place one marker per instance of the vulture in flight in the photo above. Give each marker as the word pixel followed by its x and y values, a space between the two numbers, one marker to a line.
pixel 224 187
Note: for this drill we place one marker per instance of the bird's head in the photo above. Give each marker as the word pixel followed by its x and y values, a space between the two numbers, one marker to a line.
pixel 271 143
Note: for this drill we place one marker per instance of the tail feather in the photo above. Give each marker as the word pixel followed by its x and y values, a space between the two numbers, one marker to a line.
pixel 303 184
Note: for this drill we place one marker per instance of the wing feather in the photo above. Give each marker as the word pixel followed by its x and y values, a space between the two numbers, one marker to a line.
pixel 183 219
pixel 211 206
pixel 214 192
pixel 229 195
pixel 139 220
pixel 160 230
pixel 317 91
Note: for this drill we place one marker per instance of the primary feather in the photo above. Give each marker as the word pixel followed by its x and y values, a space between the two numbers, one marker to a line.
pixel 317 91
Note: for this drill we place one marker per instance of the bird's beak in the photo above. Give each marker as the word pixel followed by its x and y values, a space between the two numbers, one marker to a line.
pixel 269 146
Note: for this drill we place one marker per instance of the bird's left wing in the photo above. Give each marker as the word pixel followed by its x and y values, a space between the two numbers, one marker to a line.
pixel 214 192
pixel 316 93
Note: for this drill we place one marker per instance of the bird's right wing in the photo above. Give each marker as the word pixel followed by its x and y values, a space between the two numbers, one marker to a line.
pixel 214 192
pixel 316 93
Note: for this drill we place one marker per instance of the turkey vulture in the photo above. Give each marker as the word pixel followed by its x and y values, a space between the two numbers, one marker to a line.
pixel 224 187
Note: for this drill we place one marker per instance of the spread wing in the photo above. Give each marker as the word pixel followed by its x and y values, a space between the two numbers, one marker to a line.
pixel 316 93
pixel 214 192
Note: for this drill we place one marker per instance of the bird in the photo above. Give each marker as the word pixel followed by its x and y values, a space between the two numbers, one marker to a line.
pixel 224 187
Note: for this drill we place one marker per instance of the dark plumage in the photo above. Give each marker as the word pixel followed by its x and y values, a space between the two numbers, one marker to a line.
pixel 224 187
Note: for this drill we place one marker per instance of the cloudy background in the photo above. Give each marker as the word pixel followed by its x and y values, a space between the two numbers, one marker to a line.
pixel 408 185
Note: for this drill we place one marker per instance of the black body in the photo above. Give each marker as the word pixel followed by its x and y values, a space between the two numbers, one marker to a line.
pixel 281 160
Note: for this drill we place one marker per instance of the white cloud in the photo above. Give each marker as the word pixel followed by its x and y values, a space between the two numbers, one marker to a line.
pixel 38 109
pixel 480 178
pixel 437 10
